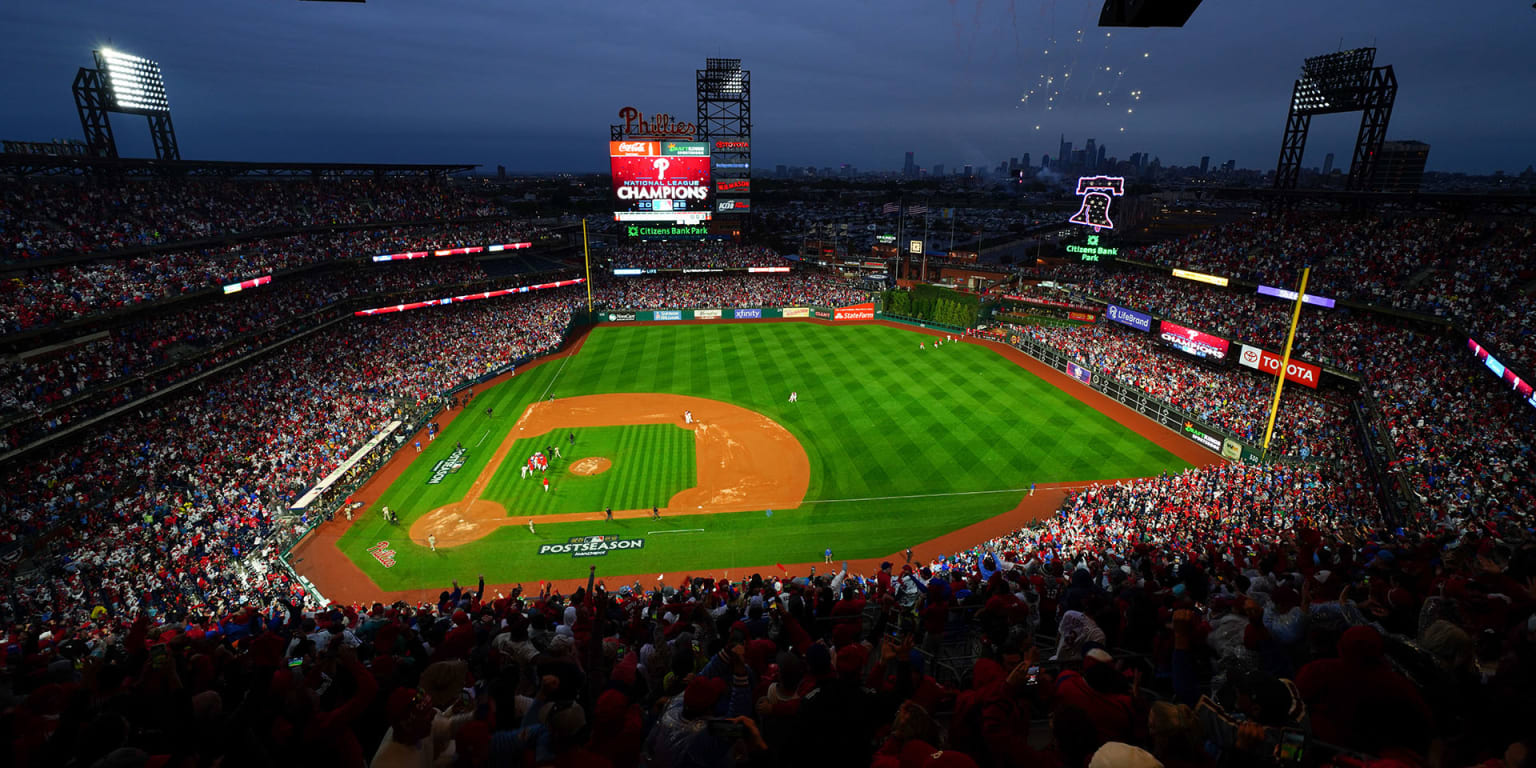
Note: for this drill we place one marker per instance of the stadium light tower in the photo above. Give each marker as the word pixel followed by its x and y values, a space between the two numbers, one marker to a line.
pixel 125 84
pixel 1347 81
pixel 725 121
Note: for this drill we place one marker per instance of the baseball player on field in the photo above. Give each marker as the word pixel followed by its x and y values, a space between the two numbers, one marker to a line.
pixel 432 541
pixel 530 525
pixel 687 417
pixel 794 397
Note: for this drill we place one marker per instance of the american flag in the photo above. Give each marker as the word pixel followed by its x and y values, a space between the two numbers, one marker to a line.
pixel 891 207
pixel 913 210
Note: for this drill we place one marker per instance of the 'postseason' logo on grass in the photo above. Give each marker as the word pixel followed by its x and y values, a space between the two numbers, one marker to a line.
pixel 591 546
pixel 448 466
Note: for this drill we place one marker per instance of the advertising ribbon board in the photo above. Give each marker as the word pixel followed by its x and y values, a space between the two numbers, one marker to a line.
pixel 706 314
pixel 821 313
pixel 1200 277
pixel 747 314
pixel 1297 371
pixel 1209 441
pixel 1129 317
pixel 865 311
pixel 1080 373
pixel 1083 316
pixel 797 311
pixel 1197 343
pixel 668 314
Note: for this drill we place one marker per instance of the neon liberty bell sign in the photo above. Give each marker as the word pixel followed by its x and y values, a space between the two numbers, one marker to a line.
pixel 1096 191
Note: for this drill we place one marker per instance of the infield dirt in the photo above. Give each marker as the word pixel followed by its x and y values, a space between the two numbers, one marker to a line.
pixel 746 461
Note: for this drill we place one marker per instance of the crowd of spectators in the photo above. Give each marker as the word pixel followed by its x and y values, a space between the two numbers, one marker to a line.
pixel 172 507
pixel 693 255
pixel 1197 619
pixel 59 217
pixel 802 288
pixel 1309 427
pixel 45 297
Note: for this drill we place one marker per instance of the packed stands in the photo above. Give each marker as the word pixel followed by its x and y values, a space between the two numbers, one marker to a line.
pixel 705 255
pixel 803 288
pixel 48 219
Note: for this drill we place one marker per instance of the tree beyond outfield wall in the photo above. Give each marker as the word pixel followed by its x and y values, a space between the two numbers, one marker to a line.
pixel 934 304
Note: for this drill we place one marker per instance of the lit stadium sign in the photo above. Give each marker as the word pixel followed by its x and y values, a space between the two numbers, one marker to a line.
pixel 660 177
pixel 887 239
pixel 916 246
pixel 666 230
pixel 466 297
pixel 1129 317
pixel 1302 373
pixel 734 146
pixel 733 205
pixel 660 125
pixel 1281 293
pixel 1096 191
pixel 1092 251
pixel 1522 387
pixel 1197 343
pixel 244 284
pixel 1199 277
pixel 739 186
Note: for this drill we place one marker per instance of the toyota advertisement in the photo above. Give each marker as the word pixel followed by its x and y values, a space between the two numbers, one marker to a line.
pixel 1197 343
pixel 1263 360
pixel 660 180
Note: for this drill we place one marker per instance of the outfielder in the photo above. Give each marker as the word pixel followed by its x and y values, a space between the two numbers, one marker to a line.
pixel 530 525
pixel 794 397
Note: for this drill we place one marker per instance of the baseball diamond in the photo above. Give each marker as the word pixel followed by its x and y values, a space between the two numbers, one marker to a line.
pixel 924 444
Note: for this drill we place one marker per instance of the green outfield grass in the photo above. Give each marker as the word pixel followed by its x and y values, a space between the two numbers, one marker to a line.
pixel 651 463
pixel 959 431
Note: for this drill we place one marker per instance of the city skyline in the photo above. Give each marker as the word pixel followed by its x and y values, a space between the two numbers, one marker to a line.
pixel 534 88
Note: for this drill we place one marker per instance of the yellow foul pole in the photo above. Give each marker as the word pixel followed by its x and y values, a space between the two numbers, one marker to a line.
pixel 1285 361
pixel 587 256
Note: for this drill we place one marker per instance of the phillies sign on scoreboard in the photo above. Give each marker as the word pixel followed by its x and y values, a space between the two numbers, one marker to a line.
pixel 660 177
pixel 1305 374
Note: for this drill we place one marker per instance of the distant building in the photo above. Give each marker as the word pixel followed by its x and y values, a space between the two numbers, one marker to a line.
pixel 1205 164
pixel 1328 164
pixel 780 171
pixel 501 173
pixel 910 168
pixel 1099 163
pixel 968 172
pixel 938 170
pixel 1024 161
pixel 1400 167
pixel 1064 151
pixel 1090 155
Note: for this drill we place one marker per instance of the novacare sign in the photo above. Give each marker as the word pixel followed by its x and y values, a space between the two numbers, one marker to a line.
pixel 591 546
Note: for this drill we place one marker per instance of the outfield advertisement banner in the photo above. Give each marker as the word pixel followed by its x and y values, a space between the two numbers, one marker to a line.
pixel 747 314
pixel 797 311
pixel 864 311
pixel 1197 343
pixel 1305 374
pixel 1231 450
pixel 1080 373
pixel 1083 316
pixel 591 546
pixel 706 314
pixel 821 313
pixel 1196 434
pixel 1129 317
pixel 621 316
pixel 667 314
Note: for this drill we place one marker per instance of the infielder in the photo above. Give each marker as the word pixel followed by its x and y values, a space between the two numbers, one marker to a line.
pixel 546 485
pixel 524 469
pixel 530 525
pixel 557 451
pixel 432 541
pixel 687 417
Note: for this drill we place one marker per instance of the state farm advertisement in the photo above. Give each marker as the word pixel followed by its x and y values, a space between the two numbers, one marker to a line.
pixel 659 183
pixel 1263 360
pixel 1198 343
pixel 856 312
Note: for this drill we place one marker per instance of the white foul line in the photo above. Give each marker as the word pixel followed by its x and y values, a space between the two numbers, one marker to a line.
pixel 482 438
pixel 551 383
pixel 676 530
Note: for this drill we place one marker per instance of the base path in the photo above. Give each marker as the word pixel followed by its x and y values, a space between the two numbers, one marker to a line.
pixel 745 461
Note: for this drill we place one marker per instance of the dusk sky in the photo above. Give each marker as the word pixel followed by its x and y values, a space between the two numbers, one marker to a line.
pixel 535 86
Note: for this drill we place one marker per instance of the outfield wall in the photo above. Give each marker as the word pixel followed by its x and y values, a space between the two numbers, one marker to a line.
pixel 864 311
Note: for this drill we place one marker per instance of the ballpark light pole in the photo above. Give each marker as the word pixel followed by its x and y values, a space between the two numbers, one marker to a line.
pixel 1285 362
pixel 586 255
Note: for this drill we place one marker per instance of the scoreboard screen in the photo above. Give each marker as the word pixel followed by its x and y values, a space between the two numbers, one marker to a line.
pixel 660 180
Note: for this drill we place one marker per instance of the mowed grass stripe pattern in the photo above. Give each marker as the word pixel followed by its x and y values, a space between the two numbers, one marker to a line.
pixel 651 462
pixel 877 417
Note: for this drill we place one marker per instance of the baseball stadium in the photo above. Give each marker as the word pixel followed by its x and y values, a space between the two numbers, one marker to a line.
pixel 630 442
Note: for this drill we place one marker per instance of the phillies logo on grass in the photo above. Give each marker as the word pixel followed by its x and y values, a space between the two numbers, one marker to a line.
pixel 382 553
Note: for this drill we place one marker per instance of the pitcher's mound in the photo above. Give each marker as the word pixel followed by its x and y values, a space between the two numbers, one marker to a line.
pixel 595 465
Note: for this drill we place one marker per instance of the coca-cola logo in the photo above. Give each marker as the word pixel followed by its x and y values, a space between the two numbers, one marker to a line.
pixel 634 146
